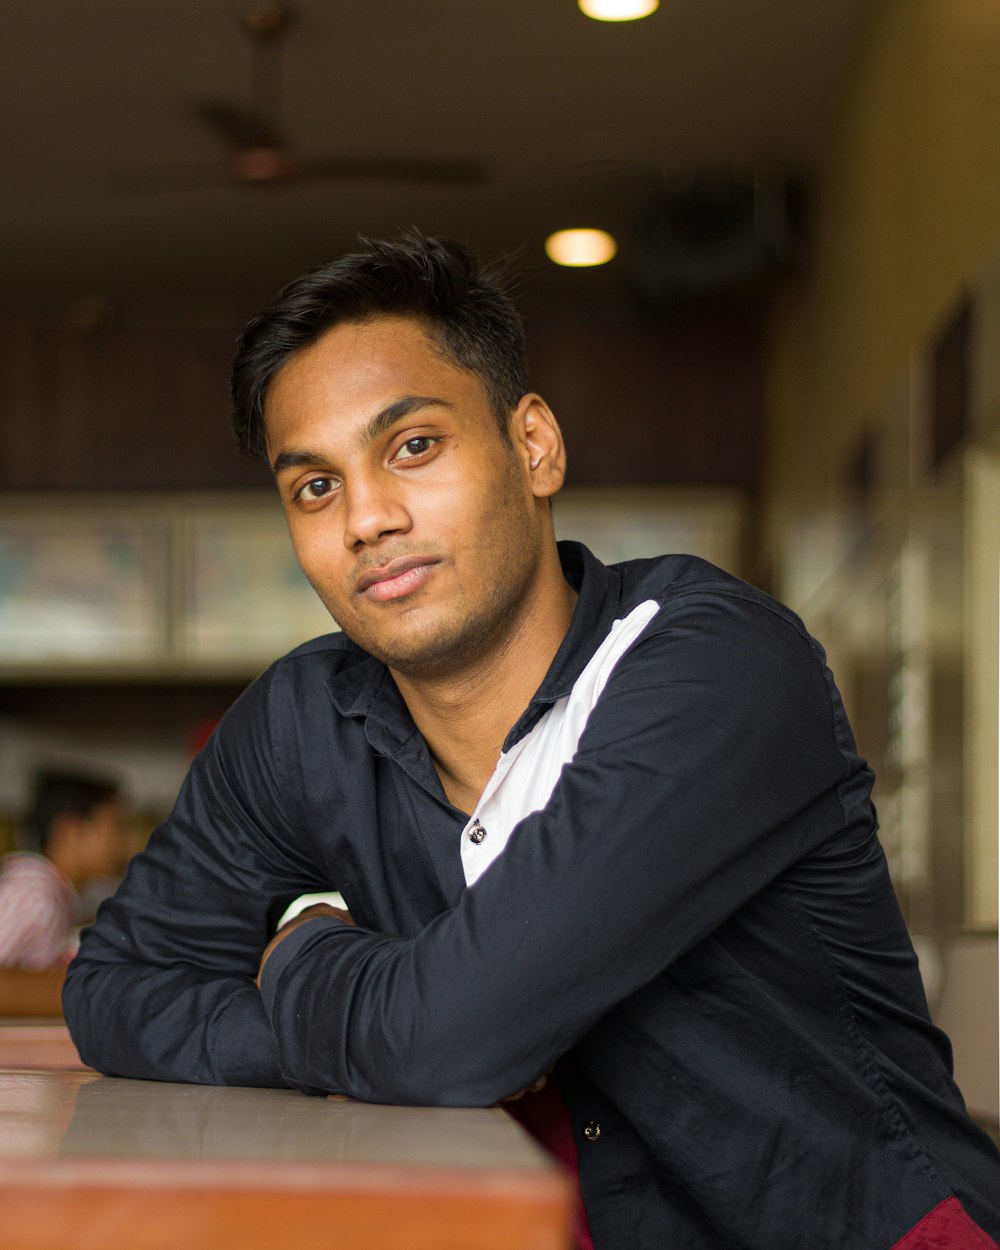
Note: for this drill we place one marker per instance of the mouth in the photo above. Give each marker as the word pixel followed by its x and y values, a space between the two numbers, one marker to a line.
pixel 399 577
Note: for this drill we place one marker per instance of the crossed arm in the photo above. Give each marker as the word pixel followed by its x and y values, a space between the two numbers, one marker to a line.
pixel 682 802
pixel 297 921
pixel 725 771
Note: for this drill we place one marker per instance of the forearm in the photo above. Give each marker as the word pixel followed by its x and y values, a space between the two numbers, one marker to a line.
pixel 493 993
pixel 170 1024
pixel 353 1015
pixel 163 985
pixel 26 992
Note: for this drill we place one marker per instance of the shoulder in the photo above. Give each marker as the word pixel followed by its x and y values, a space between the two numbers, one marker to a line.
pixel 299 709
pixel 327 655
pixel 689 591
pixel 27 870
pixel 721 661
pixel 720 647
pixel 31 880
pixel 304 677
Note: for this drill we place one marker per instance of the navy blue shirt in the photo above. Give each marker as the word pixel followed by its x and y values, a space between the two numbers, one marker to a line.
pixel 697 926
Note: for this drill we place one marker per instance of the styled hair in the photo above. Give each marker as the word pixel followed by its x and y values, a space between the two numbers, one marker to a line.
pixel 58 792
pixel 467 310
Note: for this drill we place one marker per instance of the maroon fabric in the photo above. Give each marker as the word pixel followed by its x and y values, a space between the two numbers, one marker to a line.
pixel 947 1227
pixel 545 1117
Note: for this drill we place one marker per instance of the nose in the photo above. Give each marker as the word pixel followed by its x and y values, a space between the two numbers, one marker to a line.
pixel 375 511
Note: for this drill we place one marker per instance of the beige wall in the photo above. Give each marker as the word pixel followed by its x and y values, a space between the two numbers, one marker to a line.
pixel 906 211
pixel 906 216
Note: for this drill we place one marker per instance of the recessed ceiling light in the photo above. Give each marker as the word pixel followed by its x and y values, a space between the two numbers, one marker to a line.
pixel 618 10
pixel 580 248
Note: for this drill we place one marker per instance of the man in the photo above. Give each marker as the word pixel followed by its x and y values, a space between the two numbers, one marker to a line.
pixel 78 824
pixel 608 822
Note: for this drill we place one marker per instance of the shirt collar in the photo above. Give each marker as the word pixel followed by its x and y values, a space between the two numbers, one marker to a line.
pixel 599 591
pixel 366 689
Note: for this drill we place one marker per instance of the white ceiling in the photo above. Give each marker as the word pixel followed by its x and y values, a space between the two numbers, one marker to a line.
pixel 572 119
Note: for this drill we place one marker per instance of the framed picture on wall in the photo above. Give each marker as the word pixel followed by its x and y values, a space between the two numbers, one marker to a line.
pixel 78 585
pixel 242 595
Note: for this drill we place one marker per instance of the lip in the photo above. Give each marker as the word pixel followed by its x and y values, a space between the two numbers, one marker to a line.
pixel 396 578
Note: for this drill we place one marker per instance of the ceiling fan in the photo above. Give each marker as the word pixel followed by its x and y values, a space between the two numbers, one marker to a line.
pixel 258 151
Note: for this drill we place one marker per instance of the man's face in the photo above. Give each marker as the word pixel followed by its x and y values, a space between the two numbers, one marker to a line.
pixel 415 522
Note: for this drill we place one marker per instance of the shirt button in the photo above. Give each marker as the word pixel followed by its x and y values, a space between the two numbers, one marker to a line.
pixel 591 1130
pixel 477 833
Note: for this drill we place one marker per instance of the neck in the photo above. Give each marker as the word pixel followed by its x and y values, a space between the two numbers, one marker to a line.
pixel 465 716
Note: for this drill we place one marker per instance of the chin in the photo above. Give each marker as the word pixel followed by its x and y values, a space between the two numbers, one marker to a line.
pixel 432 651
pixel 430 658
pixel 434 637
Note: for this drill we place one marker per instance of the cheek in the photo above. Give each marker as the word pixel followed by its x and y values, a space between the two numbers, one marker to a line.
pixel 466 506
pixel 316 547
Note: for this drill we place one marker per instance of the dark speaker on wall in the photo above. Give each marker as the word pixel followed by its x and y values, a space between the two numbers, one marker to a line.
pixel 715 231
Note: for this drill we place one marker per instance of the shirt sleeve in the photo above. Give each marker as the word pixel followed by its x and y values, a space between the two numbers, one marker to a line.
pixel 164 986
pixel 717 756
pixel 35 914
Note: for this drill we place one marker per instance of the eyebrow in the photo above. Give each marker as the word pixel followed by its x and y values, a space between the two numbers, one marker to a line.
pixel 295 460
pixel 384 420
pixel 374 429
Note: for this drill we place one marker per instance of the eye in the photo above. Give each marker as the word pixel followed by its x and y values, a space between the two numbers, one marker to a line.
pixel 414 447
pixel 315 488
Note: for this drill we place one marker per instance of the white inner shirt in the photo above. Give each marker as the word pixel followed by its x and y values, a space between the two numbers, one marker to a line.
pixel 526 775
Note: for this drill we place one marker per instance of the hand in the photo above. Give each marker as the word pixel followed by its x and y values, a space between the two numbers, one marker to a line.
pixel 533 1088
pixel 307 913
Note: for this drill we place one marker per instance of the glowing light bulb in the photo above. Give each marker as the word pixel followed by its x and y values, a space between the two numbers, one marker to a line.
pixel 580 248
pixel 618 10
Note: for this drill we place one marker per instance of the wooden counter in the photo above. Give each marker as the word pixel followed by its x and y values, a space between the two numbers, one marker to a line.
pixel 37 1042
pixel 102 1164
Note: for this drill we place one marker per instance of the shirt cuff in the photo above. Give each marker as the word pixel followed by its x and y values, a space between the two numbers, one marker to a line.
pixel 286 951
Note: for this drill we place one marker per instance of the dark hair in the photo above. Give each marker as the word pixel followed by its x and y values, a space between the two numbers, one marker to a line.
pixel 58 792
pixel 469 314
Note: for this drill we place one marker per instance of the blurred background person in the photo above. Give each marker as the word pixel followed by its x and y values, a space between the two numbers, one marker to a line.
pixel 79 825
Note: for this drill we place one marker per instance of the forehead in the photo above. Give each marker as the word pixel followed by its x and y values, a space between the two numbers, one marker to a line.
pixel 356 367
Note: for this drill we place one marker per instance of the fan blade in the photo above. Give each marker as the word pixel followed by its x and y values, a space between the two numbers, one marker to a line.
pixel 180 178
pixel 237 128
pixel 398 168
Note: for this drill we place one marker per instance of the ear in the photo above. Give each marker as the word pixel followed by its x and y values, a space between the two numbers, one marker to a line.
pixel 537 436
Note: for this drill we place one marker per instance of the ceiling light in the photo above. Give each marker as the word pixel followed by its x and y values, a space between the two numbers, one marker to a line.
pixel 579 248
pixel 618 10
